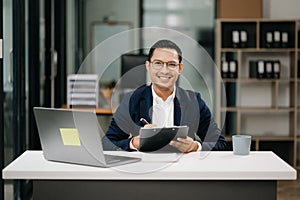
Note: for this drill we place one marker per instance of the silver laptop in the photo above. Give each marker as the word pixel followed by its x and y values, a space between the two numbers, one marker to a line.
pixel 73 136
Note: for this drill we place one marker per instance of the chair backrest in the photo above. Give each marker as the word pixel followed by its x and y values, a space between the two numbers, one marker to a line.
pixel 133 70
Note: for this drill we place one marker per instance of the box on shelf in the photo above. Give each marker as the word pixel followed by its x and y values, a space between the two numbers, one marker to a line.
pixel 277 34
pixel 264 69
pixel 238 34
pixel 239 9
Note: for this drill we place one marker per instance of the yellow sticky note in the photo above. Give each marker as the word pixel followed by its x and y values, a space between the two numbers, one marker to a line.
pixel 70 136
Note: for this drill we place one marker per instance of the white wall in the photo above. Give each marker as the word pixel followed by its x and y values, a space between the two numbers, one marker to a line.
pixel 283 9
pixel 116 10
pixel 96 10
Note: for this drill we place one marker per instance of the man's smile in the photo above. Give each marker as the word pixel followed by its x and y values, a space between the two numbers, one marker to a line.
pixel 164 77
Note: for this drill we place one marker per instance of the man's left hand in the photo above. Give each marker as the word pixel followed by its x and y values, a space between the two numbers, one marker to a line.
pixel 185 145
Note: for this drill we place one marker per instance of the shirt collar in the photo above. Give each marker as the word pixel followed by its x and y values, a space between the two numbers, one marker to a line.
pixel 157 99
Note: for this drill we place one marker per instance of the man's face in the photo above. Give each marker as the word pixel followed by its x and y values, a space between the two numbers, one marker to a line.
pixel 165 77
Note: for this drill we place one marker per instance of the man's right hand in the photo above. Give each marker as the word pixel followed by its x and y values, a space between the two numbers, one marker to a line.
pixel 136 142
pixel 149 125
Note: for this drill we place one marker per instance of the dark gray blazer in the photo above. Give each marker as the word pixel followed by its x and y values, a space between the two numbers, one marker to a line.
pixel 189 109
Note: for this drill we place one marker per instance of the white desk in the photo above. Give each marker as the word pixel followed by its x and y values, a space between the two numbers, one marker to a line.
pixel 212 175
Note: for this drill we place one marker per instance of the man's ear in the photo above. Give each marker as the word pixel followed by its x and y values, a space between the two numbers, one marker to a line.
pixel 180 68
pixel 147 64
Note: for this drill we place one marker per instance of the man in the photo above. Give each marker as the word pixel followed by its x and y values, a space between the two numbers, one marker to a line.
pixel 164 104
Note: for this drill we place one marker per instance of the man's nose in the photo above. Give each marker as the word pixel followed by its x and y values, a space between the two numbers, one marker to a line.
pixel 165 68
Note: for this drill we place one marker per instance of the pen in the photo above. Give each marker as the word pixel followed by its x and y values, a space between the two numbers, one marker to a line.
pixel 143 120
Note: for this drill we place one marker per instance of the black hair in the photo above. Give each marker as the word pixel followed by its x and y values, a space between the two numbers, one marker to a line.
pixel 165 44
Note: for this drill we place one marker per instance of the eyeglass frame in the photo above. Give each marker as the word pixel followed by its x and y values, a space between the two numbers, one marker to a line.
pixel 176 65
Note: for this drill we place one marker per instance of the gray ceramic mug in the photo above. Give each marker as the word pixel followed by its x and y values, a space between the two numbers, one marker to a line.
pixel 241 144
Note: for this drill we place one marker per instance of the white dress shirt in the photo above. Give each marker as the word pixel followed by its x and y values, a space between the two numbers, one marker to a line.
pixel 163 111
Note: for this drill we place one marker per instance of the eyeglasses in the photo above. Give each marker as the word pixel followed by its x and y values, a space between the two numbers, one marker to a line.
pixel 157 64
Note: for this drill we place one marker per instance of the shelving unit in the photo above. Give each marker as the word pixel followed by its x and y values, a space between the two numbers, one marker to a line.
pixel 266 108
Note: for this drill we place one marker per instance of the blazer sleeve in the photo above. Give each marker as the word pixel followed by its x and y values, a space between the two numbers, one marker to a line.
pixel 208 131
pixel 117 137
pixel 123 126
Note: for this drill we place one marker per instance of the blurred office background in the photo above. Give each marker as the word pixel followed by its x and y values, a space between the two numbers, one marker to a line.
pixel 44 41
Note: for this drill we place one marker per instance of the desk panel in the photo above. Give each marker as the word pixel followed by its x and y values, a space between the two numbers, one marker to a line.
pixel 154 189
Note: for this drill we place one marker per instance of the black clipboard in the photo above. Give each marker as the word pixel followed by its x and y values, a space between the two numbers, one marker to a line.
pixel 158 138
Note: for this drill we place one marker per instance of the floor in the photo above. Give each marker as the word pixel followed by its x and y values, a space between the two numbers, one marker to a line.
pixel 286 190
pixel 289 190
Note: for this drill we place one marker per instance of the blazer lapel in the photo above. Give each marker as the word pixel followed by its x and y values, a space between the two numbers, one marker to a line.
pixel 177 112
pixel 146 105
